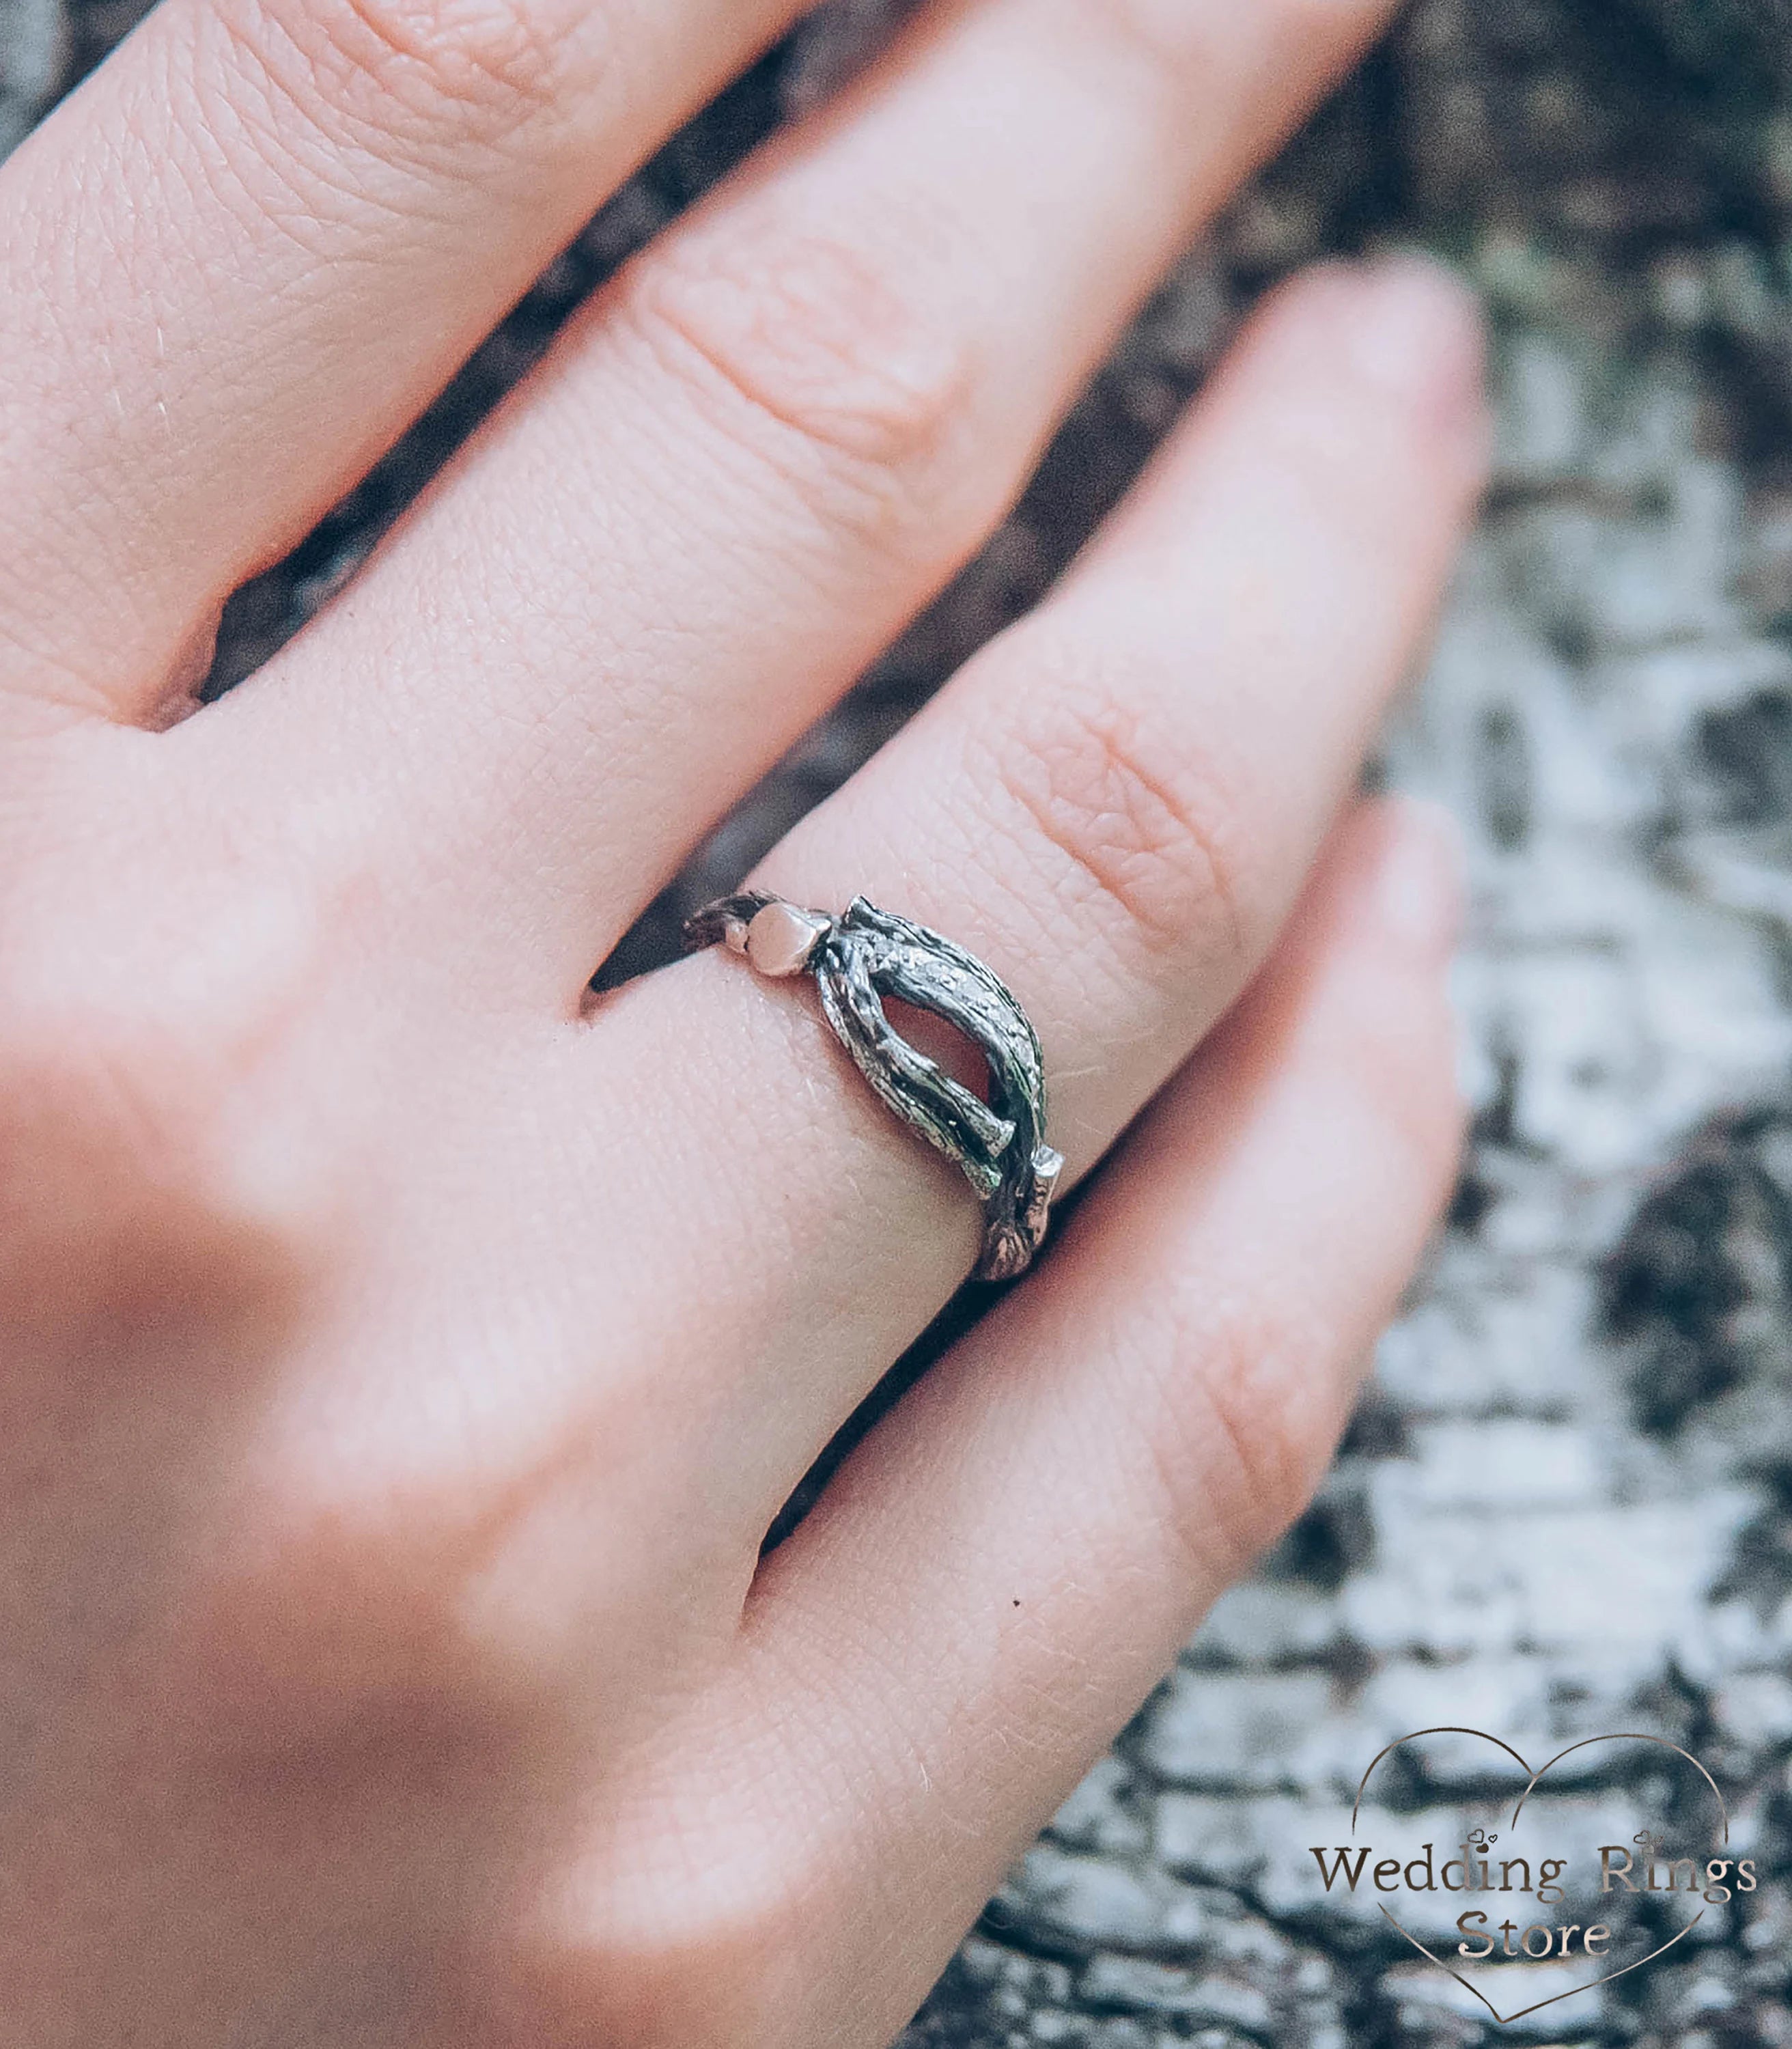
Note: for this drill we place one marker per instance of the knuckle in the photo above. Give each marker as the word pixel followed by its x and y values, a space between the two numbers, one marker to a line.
pixel 724 1937
pixel 1239 1463
pixel 802 345
pixel 1190 47
pixel 377 1599
pixel 1395 1035
pixel 1140 829
pixel 690 1918
pixel 143 1168
pixel 410 78
pixel 332 1647
pixel 1170 38
pixel 1412 1078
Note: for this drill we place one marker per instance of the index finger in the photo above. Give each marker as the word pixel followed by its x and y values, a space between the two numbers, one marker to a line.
pixel 238 262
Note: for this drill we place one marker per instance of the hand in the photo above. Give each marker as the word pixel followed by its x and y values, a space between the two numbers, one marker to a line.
pixel 404 1357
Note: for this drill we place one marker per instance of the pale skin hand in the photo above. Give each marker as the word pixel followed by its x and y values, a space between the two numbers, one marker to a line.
pixel 402 1359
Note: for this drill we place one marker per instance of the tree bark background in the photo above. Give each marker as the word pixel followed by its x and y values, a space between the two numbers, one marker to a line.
pixel 1566 1505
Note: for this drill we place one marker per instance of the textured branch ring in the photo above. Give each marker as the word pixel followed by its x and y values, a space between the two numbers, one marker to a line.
pixel 866 954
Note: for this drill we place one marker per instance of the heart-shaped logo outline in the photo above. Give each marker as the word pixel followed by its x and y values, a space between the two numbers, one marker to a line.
pixel 1533 1778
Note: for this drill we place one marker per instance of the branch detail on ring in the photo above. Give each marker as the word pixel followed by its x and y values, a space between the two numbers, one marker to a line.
pixel 866 954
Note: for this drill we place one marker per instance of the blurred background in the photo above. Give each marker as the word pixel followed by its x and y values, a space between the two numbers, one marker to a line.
pixel 1566 1505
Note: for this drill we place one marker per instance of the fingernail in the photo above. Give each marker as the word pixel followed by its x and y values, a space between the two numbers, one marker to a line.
pixel 1420 891
pixel 1415 329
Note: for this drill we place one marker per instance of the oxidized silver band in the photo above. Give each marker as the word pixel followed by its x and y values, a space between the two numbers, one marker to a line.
pixel 866 954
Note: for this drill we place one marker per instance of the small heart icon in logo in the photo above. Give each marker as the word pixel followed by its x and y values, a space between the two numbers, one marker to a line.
pixel 1636 1872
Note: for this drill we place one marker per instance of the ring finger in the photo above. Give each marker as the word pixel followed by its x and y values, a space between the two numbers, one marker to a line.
pixel 1114 806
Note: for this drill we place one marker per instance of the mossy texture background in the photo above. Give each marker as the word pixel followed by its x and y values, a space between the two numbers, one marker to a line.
pixel 1566 1506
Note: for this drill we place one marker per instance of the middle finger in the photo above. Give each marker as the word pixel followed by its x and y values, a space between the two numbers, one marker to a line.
pixel 755 457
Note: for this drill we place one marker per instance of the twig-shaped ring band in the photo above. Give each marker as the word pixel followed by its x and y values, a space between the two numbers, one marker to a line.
pixel 866 954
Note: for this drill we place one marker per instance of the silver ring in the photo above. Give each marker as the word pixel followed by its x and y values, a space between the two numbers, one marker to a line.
pixel 865 954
